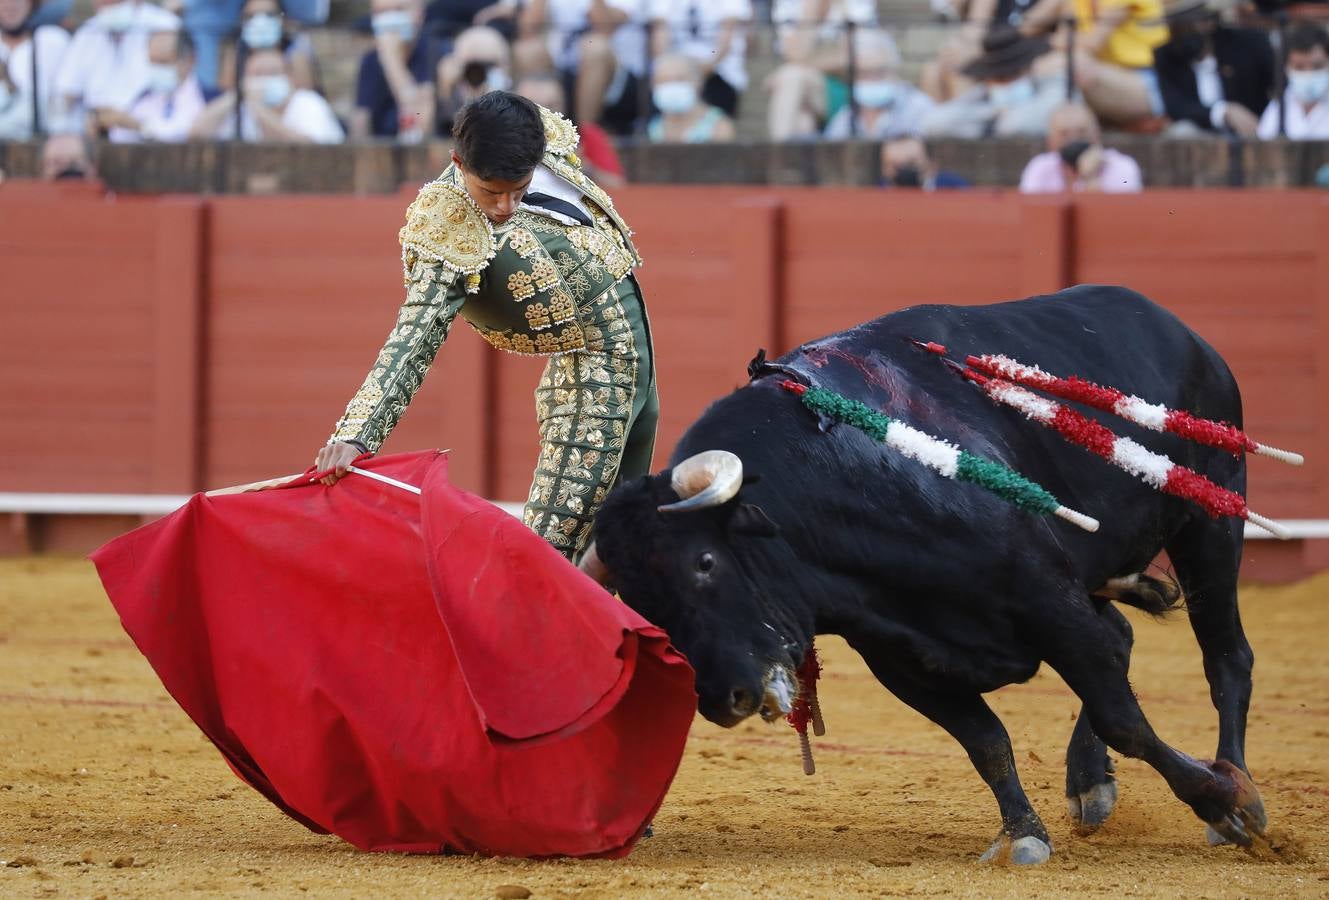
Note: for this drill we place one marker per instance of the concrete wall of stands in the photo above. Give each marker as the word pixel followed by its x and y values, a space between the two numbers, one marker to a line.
pixel 218 168
pixel 174 343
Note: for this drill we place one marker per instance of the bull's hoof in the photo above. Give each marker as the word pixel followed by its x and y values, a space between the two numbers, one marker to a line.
pixel 1092 808
pixel 1025 851
pixel 1213 838
pixel 1247 817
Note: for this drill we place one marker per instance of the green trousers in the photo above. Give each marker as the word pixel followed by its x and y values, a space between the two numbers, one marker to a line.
pixel 597 413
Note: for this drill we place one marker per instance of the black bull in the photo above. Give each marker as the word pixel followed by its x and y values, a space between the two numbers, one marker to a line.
pixel 945 590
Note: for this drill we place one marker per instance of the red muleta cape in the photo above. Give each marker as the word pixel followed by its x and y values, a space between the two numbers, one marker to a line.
pixel 408 673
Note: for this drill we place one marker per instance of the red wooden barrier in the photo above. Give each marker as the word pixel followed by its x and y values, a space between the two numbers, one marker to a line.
pixel 172 344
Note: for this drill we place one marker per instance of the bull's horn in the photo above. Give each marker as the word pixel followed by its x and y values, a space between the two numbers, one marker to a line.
pixel 592 565
pixel 707 479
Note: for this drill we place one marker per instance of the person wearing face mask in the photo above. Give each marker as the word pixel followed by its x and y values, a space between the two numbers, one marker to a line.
pixel 273 110
pixel 518 241
pixel 173 99
pixel 1076 159
pixel 106 66
pixel 888 106
pixel 212 22
pixel 394 94
pixel 1214 77
pixel 480 62
pixel 684 117
pixel 905 165
pixel 19 41
pixel 1008 98
pixel 1307 94
pixel 713 33
pixel 263 26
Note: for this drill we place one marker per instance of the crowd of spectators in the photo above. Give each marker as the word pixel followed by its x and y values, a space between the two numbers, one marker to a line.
pixel 674 71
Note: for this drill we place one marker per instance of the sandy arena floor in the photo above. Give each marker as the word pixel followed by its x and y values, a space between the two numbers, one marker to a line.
pixel 107 789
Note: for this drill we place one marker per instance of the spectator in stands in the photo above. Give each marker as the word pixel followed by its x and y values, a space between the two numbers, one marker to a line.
pixel 941 78
pixel 272 111
pixel 598 47
pixel 812 83
pixel 173 99
pixel 19 40
pixel 106 65
pixel 599 159
pixel 447 19
pixel 685 118
pixel 1114 53
pixel 1212 75
pixel 1076 159
pixel 1008 99
pixel 888 106
pixel 905 164
pixel 67 157
pixel 480 61
pixel 210 22
pixel 714 34
pixel 1307 94
pixel 262 27
pixel 394 94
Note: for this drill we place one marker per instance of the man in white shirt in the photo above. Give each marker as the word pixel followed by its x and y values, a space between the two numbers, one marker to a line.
pixel 106 66
pixel 18 41
pixel 272 112
pixel 173 99
pixel 1306 96
pixel 598 48
pixel 712 32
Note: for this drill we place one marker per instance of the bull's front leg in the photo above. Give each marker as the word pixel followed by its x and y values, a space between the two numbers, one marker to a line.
pixel 968 719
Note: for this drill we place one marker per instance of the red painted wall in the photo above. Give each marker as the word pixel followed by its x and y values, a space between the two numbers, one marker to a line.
pixel 170 344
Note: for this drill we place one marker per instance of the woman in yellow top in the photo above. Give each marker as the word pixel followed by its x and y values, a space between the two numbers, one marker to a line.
pixel 1114 60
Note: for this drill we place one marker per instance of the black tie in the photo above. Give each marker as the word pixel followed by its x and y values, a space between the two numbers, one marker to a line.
pixel 553 204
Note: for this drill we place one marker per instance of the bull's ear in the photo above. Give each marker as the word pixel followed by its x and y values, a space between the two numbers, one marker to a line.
pixel 748 518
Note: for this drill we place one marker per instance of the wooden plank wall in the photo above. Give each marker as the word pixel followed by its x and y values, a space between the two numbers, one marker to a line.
pixel 169 344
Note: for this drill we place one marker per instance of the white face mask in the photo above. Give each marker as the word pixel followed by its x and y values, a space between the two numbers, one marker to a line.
pixel 117 19
pixel 274 89
pixel 394 21
pixel 162 78
pixel 1308 87
pixel 1012 93
pixel 674 97
pixel 876 94
pixel 262 31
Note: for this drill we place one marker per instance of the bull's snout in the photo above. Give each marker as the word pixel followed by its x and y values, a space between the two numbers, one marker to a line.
pixel 743 702
pixel 726 706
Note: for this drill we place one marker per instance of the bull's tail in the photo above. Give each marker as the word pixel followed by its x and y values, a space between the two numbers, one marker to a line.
pixel 1156 596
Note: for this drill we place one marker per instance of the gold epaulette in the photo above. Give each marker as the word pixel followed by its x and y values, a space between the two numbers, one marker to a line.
pixel 445 225
pixel 561 137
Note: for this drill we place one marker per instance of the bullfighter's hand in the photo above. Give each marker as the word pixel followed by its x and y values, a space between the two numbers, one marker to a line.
pixel 336 457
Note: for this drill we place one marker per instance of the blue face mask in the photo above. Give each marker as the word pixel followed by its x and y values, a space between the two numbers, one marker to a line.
pixel 273 88
pixel 1308 87
pixel 674 97
pixel 876 94
pixel 262 31
pixel 394 21
pixel 117 19
pixel 1012 93
pixel 163 78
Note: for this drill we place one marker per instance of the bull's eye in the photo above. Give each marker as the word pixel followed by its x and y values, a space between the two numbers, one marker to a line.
pixel 705 562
